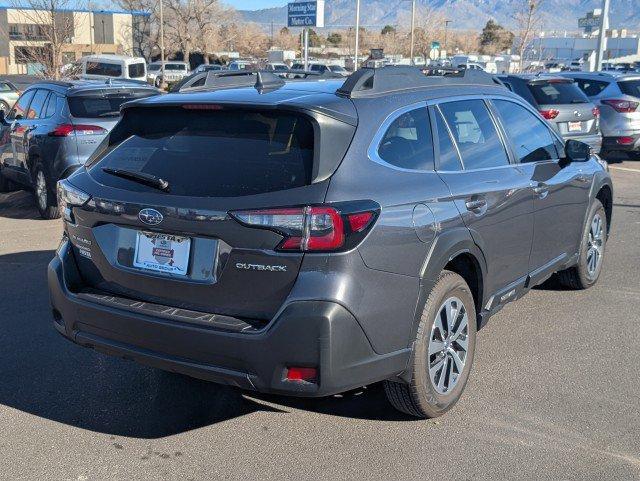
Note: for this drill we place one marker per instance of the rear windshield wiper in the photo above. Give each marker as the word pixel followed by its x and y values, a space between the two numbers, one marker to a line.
pixel 140 177
pixel 114 113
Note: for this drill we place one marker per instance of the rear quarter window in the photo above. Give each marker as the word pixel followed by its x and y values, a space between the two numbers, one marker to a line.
pixel 630 87
pixel 407 142
pixel 208 153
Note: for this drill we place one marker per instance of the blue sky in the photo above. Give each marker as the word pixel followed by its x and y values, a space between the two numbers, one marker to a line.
pixel 255 4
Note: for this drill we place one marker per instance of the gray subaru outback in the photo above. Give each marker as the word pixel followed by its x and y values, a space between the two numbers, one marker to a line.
pixel 311 237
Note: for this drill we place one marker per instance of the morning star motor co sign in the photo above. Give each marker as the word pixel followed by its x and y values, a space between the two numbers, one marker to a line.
pixel 306 14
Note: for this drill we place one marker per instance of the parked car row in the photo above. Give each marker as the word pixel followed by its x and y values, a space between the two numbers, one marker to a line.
pixel 379 222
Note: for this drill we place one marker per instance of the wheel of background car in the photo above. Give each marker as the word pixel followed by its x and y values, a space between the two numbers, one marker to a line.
pixel 157 82
pixel 4 106
pixel 591 256
pixel 443 352
pixel 6 185
pixel 45 194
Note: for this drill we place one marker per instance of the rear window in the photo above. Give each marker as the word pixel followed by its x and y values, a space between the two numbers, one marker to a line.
pixel 205 153
pixel 555 93
pixel 86 106
pixel 104 68
pixel 630 87
pixel 136 70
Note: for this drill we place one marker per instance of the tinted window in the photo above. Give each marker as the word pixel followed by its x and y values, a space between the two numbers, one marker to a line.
pixel 5 87
pixel 630 87
pixel 153 67
pixel 97 107
pixel 407 143
pixel 19 110
pixel 51 105
pixel 555 93
pixel 591 87
pixel 475 134
pixel 449 159
pixel 175 66
pixel 103 68
pixel 37 104
pixel 136 70
pixel 212 153
pixel 529 136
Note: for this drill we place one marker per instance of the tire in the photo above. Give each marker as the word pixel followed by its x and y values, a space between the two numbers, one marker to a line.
pixel 6 185
pixel 45 193
pixel 427 395
pixel 594 239
pixel 5 107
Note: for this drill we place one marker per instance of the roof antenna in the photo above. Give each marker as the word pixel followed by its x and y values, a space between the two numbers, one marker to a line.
pixel 259 86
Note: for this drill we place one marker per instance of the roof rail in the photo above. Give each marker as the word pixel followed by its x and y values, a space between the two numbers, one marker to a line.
pixel 224 79
pixel 369 82
pixel 305 74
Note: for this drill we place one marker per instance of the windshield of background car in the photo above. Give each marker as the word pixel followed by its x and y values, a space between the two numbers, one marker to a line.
pixel 136 70
pixel 556 93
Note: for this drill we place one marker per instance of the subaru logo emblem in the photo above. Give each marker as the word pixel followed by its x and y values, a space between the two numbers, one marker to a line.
pixel 577 114
pixel 150 216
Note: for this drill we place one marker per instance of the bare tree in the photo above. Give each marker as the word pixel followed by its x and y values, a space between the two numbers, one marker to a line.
pixel 144 29
pixel 528 19
pixel 47 27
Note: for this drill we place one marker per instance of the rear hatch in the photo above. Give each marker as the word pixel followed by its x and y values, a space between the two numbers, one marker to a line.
pixel 179 246
pixel 562 103
pixel 94 112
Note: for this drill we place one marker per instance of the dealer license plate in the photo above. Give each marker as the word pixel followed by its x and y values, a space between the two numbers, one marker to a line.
pixel 162 253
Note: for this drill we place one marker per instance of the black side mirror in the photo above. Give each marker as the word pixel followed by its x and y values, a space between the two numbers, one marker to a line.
pixel 577 151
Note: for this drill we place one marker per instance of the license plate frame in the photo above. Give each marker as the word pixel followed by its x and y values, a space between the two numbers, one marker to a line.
pixel 162 253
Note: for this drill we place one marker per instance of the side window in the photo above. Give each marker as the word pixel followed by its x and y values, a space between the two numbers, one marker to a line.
pixel 51 105
pixel 407 143
pixel 36 109
pixel 448 159
pixel 530 137
pixel 19 110
pixel 475 134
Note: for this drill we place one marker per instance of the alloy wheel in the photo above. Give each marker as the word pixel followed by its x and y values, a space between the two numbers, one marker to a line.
pixel 595 245
pixel 448 344
pixel 41 190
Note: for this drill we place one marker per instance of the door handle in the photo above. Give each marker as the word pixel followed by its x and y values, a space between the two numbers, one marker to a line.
pixel 475 205
pixel 541 190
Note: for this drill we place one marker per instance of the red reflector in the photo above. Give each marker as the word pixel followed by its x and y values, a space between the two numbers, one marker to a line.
pixel 625 140
pixel 549 114
pixel 359 222
pixel 308 374
pixel 202 107
pixel 64 130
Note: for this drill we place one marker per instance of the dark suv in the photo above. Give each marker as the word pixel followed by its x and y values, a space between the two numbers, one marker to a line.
pixel 53 128
pixel 307 238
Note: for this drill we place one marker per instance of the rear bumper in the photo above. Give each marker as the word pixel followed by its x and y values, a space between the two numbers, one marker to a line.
pixel 631 142
pixel 310 333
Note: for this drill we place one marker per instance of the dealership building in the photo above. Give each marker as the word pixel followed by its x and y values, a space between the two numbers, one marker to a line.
pixel 87 32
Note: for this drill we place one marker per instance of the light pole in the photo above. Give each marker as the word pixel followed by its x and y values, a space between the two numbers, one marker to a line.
pixel 413 24
pixel 161 44
pixel 355 63
pixel 602 35
pixel 446 23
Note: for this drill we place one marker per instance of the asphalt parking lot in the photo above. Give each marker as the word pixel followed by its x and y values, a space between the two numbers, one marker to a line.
pixel 554 393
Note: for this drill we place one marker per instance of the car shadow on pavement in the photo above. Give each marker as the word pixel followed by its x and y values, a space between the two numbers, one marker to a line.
pixel 45 375
pixel 18 205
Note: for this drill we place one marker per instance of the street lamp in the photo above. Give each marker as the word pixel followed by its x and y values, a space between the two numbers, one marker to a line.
pixel 161 43
pixel 355 63
pixel 446 23
pixel 413 23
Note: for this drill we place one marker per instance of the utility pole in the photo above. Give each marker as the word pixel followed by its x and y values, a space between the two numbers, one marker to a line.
pixel 92 27
pixel 271 46
pixel 602 35
pixel 355 63
pixel 162 43
pixel 413 27
pixel 306 49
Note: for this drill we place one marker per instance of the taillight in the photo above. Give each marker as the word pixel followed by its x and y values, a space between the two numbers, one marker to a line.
pixel 549 114
pixel 314 228
pixel 625 140
pixel 596 112
pixel 623 106
pixel 64 130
